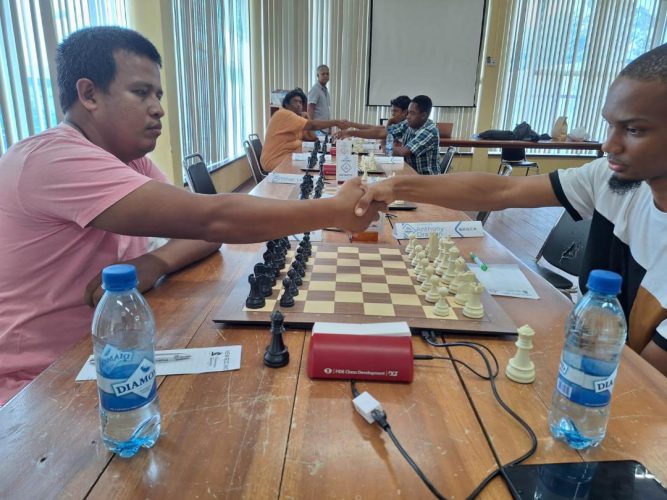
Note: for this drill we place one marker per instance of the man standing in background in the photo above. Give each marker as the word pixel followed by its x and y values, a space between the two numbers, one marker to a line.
pixel 319 101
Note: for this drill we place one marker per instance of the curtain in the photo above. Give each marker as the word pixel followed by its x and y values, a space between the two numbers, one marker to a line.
pixel 561 57
pixel 31 31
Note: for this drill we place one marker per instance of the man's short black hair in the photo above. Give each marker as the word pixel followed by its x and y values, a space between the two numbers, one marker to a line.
pixel 424 103
pixel 402 102
pixel 88 53
pixel 651 65
pixel 297 92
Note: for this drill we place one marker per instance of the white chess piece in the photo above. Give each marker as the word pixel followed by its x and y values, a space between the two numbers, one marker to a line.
pixel 452 254
pixel 463 293
pixel 411 243
pixel 434 291
pixel 457 280
pixel 417 258
pixel 474 308
pixel 432 246
pixel 425 275
pixel 423 262
pixel 442 306
pixel 520 368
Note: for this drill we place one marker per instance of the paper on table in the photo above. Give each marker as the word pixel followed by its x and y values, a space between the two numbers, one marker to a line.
pixel 506 280
pixel 200 360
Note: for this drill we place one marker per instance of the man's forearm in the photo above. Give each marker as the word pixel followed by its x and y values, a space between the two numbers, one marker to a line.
pixel 321 124
pixel 370 133
pixel 475 190
pixel 176 253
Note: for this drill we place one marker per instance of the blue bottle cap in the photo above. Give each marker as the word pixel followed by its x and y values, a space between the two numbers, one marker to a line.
pixel 606 282
pixel 119 277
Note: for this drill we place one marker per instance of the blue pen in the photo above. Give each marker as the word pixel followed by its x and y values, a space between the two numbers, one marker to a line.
pixel 478 261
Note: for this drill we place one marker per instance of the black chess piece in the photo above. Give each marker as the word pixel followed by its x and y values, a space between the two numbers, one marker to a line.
pixel 266 279
pixel 276 354
pixel 256 298
pixel 287 299
pixel 300 259
pixel 303 252
pixel 294 276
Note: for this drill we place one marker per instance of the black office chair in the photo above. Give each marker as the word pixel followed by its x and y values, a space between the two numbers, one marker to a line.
pixel 505 169
pixel 257 173
pixel 256 145
pixel 446 162
pixel 516 157
pixel 564 249
pixel 199 178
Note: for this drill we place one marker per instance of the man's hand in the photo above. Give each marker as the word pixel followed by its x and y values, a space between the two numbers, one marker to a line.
pixel 380 192
pixel 343 134
pixel 402 151
pixel 149 269
pixel 348 197
pixel 344 124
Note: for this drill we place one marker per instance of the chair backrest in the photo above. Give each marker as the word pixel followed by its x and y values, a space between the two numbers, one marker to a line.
pixel 446 161
pixel 445 129
pixel 256 145
pixel 513 154
pixel 255 169
pixel 484 216
pixel 199 178
pixel 565 245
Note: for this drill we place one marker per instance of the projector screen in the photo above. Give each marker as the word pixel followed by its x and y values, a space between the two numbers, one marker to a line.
pixel 429 47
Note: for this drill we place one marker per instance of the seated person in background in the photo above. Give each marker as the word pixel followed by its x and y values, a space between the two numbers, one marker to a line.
pixel 624 195
pixel 285 130
pixel 83 195
pixel 399 113
pixel 420 137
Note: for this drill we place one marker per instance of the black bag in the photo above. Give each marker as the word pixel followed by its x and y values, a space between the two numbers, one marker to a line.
pixel 523 132
pixel 497 135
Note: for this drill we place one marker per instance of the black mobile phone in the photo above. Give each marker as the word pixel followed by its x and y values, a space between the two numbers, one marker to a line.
pixel 618 479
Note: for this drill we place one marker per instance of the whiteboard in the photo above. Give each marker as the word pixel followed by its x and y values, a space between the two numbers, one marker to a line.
pixel 430 47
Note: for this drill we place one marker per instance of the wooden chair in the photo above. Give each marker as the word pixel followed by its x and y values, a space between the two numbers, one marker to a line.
pixel 446 162
pixel 257 173
pixel 198 176
pixel 516 157
pixel 445 129
pixel 484 216
pixel 564 248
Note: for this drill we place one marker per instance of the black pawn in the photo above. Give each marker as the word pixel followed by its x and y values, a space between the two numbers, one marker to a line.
pixel 293 274
pixel 276 354
pixel 256 298
pixel 287 299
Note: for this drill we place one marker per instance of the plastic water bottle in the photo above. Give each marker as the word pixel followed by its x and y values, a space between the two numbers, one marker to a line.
pixel 595 334
pixel 389 144
pixel 123 338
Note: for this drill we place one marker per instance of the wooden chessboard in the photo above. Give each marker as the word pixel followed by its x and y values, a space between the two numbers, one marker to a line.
pixel 359 283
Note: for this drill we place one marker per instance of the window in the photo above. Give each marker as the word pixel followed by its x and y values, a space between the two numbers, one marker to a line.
pixel 561 57
pixel 212 41
pixel 31 31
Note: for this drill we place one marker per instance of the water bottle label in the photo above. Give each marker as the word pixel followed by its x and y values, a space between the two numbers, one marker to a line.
pixel 584 388
pixel 123 383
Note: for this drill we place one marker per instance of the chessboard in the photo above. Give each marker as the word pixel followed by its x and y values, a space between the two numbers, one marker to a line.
pixel 359 283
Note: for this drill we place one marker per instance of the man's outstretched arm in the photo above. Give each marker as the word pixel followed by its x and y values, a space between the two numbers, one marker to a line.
pixel 464 191
pixel 158 209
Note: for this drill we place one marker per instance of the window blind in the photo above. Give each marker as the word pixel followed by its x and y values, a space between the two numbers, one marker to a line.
pixel 212 41
pixel 31 31
pixel 561 57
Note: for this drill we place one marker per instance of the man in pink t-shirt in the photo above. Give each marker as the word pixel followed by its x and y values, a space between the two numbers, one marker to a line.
pixel 83 195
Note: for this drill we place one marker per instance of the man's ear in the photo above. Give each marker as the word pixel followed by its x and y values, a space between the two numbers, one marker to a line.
pixel 87 93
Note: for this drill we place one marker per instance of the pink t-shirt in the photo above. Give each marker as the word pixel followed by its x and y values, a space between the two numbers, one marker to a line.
pixel 51 187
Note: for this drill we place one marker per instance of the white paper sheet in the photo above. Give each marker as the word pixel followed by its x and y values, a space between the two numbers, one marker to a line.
pixel 200 360
pixel 504 279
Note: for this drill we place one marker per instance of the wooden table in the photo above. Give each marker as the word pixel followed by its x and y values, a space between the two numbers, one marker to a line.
pixel 273 433
pixel 483 143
